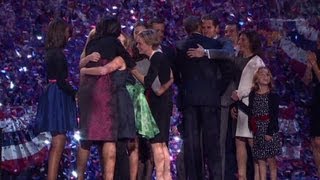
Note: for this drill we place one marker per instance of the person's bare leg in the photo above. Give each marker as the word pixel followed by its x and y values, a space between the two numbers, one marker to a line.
pixel 272 162
pixel 158 160
pixel 134 160
pixel 262 169
pixel 56 149
pixel 255 163
pixel 150 162
pixel 149 168
pixel 167 171
pixel 241 151
pixel 109 160
pixel 82 158
pixel 315 143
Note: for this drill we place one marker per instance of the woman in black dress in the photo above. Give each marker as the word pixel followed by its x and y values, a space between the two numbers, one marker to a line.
pixel 161 106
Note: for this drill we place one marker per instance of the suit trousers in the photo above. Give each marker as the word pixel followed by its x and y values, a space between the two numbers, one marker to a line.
pixel 202 142
pixel 223 135
pixel 230 168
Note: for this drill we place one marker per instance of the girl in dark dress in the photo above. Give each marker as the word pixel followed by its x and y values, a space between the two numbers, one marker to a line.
pixel 161 106
pixel 57 107
pixel 263 110
pixel 312 74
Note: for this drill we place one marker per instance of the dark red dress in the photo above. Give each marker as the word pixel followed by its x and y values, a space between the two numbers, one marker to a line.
pixel 97 121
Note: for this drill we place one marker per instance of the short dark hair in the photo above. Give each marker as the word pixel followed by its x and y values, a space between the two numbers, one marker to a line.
pixel 155 20
pixel 254 40
pixel 212 18
pixel 233 23
pixel 191 24
pixel 108 26
pixel 56 35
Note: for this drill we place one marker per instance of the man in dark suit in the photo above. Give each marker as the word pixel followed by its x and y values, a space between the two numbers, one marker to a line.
pixel 210 29
pixel 200 90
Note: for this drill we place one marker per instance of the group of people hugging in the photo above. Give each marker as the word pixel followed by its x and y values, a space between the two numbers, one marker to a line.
pixel 226 96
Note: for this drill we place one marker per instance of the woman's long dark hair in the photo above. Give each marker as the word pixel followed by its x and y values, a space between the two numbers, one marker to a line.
pixel 56 35
pixel 254 41
pixel 108 26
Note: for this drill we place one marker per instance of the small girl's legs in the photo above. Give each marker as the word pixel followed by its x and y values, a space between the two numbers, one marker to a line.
pixel 255 163
pixel 262 169
pixel 273 168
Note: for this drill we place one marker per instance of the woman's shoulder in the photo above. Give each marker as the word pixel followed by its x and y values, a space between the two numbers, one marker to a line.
pixel 256 58
pixel 158 55
pixel 256 61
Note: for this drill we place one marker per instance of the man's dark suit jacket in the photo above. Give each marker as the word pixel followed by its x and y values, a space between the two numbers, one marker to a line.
pixel 170 53
pixel 199 84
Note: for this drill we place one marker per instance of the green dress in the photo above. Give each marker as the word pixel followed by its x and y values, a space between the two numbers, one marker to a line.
pixel 145 123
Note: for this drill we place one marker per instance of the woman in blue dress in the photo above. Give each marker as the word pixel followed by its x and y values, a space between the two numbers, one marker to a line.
pixel 57 107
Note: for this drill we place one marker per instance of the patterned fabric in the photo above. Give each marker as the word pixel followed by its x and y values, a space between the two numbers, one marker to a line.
pixel 97 108
pixel 263 149
pixel 145 123
pixel 22 146
pixel 253 122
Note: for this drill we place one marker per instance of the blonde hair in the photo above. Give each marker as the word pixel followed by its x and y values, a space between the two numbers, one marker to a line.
pixel 255 86
pixel 150 37
pixel 89 38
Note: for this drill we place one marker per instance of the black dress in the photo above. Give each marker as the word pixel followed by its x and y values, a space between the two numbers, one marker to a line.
pixel 125 111
pixel 161 106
